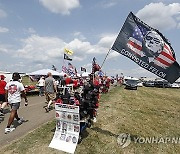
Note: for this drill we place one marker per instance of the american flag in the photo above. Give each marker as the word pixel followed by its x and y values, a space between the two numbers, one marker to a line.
pixel 136 30
pixel 70 65
pixel 71 72
pixel 165 58
pixel 135 41
pixel 64 69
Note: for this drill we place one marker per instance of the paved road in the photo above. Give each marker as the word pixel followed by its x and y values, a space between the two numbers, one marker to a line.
pixel 35 115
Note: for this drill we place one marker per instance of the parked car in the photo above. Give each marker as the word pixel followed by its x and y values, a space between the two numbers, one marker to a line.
pixel 131 84
pixel 140 84
pixel 148 83
pixel 162 84
pixel 175 85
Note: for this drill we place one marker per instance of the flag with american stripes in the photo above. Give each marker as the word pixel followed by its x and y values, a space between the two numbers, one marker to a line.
pixel 147 47
pixel 165 59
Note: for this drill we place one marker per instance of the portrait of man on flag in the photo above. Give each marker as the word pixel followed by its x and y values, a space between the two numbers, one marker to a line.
pixel 148 48
pixel 150 44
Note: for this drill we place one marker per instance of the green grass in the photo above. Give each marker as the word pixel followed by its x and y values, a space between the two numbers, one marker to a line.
pixel 147 112
pixel 27 81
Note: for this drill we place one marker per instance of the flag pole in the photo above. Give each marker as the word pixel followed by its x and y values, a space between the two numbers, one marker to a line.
pixel 105 57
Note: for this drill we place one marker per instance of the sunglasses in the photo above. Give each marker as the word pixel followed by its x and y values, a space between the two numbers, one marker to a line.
pixel 150 38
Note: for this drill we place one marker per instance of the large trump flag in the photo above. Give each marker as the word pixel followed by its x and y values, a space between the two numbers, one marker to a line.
pixel 147 47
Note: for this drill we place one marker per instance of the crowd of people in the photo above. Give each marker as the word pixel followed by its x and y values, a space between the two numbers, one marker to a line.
pixel 81 91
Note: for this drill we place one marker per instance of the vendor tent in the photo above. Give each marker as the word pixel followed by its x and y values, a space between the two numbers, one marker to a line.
pixel 45 72
pixel 85 74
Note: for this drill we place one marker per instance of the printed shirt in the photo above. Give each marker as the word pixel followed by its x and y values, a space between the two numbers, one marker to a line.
pixel 14 91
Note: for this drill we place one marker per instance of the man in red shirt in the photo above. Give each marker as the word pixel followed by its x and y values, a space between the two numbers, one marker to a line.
pixel 3 103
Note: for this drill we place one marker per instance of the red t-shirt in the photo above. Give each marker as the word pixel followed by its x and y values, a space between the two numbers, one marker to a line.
pixel 2 86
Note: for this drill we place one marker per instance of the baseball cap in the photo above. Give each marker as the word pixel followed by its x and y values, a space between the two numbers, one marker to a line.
pixel 16 75
pixel 2 77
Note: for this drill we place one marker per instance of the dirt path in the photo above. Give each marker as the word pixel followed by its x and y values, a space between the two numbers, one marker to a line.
pixel 35 115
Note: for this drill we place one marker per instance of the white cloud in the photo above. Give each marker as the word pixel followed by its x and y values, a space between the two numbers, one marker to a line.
pixel 107 40
pixel 4 30
pixel 2 13
pixel 113 54
pixel 3 49
pixel 108 3
pixel 178 26
pixel 79 35
pixel 6 48
pixel 41 49
pixel 60 6
pixel 82 48
pixel 160 16
pixel 31 30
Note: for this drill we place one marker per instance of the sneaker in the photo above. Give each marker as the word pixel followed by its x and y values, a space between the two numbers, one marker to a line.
pixel 47 109
pixel 94 119
pixel 20 121
pixel 8 130
pixel 1 112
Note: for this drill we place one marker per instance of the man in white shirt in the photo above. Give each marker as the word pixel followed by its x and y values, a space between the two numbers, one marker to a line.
pixel 41 83
pixel 13 91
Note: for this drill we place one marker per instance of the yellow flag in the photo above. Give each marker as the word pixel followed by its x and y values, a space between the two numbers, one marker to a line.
pixel 69 52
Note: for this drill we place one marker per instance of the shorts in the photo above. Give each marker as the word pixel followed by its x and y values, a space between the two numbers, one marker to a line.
pixel 2 97
pixel 15 106
pixel 50 96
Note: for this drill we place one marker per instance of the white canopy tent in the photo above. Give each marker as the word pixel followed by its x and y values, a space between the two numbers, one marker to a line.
pixel 62 73
pixel 85 74
pixel 45 72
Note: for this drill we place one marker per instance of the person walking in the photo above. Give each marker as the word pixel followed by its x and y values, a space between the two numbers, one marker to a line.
pixel 50 90
pixel 13 91
pixel 41 86
pixel 3 103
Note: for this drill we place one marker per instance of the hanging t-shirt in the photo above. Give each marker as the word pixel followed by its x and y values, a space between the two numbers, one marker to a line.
pixel 14 91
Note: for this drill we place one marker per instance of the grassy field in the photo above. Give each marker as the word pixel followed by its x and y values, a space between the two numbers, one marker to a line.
pixel 147 112
pixel 27 81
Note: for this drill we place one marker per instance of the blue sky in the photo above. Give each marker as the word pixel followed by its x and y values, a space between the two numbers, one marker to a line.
pixel 34 33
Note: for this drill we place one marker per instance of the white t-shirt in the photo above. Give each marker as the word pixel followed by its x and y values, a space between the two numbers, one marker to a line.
pixel 14 91
pixel 41 82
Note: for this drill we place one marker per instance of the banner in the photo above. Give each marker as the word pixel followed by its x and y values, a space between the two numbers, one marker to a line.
pixel 148 48
pixel 67 128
